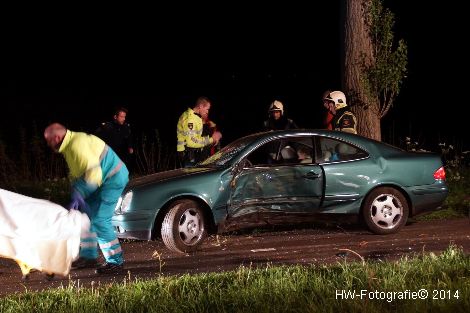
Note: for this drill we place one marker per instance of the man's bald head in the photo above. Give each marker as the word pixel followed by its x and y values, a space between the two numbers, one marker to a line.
pixel 54 135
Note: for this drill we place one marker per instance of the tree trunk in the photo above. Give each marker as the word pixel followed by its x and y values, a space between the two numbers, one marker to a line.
pixel 357 53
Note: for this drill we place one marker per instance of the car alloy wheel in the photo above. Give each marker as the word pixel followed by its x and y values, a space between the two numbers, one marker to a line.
pixel 183 228
pixel 385 210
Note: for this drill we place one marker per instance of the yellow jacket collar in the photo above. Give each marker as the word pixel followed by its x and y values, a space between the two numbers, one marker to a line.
pixel 65 142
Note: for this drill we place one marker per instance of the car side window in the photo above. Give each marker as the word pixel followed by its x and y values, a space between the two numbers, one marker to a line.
pixel 332 150
pixel 297 150
pixel 265 154
pixel 305 154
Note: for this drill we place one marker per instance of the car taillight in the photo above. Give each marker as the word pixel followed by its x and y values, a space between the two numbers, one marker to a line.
pixel 440 174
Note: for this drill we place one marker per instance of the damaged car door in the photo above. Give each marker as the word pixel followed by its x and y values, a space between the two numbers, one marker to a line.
pixel 290 185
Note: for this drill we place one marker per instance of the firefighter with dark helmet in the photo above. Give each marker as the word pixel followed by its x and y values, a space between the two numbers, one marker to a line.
pixel 337 108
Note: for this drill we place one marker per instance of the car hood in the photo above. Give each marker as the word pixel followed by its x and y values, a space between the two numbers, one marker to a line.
pixel 167 175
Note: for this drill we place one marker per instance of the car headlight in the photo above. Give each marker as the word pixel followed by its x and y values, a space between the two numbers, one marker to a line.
pixel 124 204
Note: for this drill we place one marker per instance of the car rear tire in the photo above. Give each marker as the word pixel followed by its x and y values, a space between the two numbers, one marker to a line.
pixel 183 228
pixel 385 210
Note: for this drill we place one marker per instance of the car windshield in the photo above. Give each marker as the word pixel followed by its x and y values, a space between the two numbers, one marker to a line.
pixel 226 154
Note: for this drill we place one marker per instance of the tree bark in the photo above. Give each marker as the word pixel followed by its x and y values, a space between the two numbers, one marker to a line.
pixel 358 52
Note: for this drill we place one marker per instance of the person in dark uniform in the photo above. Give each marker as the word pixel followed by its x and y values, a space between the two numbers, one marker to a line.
pixel 277 120
pixel 117 134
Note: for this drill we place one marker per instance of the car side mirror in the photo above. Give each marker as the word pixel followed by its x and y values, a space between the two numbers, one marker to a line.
pixel 238 167
pixel 235 170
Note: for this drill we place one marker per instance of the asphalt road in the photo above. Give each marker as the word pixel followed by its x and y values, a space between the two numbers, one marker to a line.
pixel 320 244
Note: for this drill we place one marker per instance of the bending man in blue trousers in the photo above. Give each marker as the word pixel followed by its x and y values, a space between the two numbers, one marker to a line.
pixel 98 178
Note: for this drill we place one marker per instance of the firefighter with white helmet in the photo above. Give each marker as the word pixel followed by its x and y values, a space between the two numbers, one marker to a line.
pixel 276 106
pixel 339 117
pixel 277 120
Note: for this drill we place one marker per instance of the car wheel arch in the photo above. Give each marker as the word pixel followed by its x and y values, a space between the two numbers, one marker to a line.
pixel 158 220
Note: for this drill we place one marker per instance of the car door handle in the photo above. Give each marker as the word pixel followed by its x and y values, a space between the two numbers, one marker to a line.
pixel 311 175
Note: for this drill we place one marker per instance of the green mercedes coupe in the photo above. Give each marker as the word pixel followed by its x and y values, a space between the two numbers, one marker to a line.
pixel 289 176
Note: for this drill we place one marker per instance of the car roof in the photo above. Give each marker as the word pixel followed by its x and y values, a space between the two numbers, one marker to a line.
pixel 358 140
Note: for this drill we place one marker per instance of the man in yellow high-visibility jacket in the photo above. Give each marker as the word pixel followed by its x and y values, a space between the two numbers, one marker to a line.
pixel 98 179
pixel 189 133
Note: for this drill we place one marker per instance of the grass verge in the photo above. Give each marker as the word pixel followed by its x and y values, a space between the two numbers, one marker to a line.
pixel 428 282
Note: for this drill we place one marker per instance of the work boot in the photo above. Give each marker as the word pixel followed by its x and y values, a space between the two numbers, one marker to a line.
pixel 110 268
pixel 84 263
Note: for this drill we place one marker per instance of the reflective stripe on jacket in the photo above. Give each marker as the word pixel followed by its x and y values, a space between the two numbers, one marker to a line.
pixel 346 121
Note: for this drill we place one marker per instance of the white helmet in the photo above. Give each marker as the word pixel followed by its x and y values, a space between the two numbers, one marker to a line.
pixel 276 106
pixel 338 98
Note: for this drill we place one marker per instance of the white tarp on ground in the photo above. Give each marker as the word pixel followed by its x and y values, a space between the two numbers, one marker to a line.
pixel 40 233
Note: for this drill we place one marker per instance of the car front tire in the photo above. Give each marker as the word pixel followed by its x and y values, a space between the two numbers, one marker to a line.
pixel 385 210
pixel 183 228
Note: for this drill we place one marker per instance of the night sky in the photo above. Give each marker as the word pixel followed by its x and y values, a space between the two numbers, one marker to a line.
pixel 74 70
